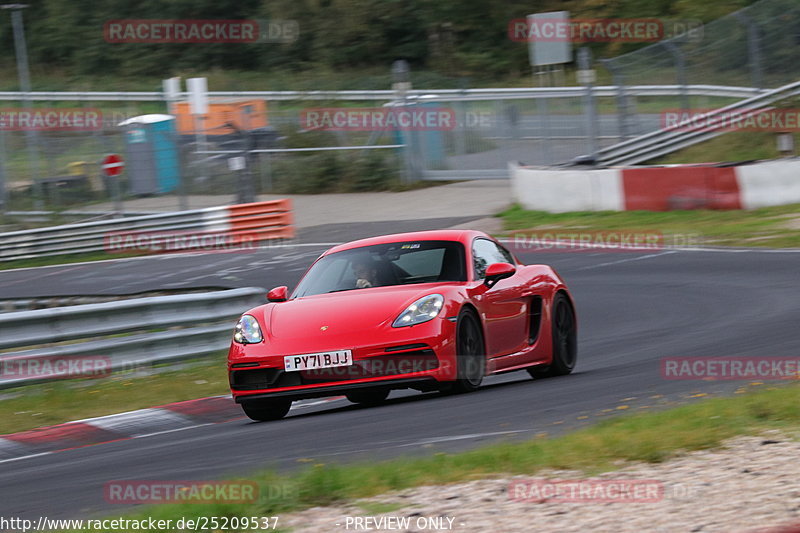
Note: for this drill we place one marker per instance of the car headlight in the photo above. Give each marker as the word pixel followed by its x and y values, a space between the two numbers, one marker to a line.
pixel 247 330
pixel 424 309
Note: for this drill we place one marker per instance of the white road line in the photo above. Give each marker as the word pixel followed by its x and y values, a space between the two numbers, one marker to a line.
pixel 106 422
pixel 164 256
pixel 627 260
pixel 431 440
pixel 24 457
pixel 602 247
pixel 143 435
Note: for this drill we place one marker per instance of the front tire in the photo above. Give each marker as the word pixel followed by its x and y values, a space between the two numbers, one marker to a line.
pixel 368 397
pixel 266 410
pixel 565 340
pixel 470 354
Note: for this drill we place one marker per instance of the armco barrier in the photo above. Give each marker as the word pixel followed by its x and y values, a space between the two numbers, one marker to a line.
pixel 259 221
pixel 206 323
pixel 745 186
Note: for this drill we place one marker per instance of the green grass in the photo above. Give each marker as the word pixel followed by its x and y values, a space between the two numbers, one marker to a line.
pixel 374 508
pixel 774 227
pixel 63 260
pixel 733 146
pixel 647 437
pixel 62 401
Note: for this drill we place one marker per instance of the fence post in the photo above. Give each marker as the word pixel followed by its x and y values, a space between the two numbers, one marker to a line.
pixel 3 180
pixel 680 71
pixel 585 65
pixel 623 109
pixel 543 111
pixel 31 137
pixel 753 49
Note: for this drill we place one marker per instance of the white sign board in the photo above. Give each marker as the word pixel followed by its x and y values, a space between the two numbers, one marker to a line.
pixel 549 38
pixel 585 77
pixel 172 89
pixel 198 95
pixel 236 163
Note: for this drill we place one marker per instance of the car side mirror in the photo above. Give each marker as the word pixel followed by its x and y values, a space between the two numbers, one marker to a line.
pixel 497 271
pixel 278 294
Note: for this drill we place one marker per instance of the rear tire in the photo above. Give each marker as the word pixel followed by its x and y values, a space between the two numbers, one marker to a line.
pixel 470 354
pixel 266 410
pixel 565 341
pixel 368 397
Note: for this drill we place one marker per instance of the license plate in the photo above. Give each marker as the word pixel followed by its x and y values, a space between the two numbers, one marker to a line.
pixel 311 361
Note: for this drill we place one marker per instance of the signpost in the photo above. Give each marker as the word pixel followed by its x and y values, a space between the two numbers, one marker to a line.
pixel 112 167
pixel 172 93
pixel 198 104
pixel 549 47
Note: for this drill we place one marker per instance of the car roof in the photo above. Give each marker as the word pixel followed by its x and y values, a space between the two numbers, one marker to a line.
pixel 462 236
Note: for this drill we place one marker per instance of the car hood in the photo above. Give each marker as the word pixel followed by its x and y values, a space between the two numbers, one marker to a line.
pixel 343 312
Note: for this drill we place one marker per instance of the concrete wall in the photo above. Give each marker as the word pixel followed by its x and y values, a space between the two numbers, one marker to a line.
pixel 657 188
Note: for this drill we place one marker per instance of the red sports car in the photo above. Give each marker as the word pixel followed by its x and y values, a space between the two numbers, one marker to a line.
pixel 432 310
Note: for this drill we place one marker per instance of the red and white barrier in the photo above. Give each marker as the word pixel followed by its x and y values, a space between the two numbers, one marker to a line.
pixel 769 183
pixel 658 188
pixel 239 224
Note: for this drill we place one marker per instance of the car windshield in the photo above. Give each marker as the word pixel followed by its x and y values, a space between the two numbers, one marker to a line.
pixel 380 265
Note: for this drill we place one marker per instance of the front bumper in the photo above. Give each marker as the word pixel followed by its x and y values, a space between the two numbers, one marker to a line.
pixel 424 384
pixel 411 360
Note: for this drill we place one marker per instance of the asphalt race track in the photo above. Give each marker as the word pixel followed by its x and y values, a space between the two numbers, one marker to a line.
pixel 634 308
pixel 267 267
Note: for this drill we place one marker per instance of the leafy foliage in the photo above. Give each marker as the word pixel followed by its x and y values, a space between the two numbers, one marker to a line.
pixel 463 38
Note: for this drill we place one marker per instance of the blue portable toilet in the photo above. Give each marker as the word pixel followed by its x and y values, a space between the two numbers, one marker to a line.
pixel 152 162
pixel 429 144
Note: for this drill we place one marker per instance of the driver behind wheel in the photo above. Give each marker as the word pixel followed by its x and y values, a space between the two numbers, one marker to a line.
pixel 366 273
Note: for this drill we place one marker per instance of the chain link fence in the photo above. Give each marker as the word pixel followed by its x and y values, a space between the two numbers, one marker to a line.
pixel 283 152
pixel 53 169
pixel 753 47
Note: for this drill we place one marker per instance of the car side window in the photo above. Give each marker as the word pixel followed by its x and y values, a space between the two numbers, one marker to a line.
pixel 486 252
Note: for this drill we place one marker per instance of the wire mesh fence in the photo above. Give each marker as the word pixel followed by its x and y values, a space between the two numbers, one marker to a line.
pixel 309 146
pixel 251 146
pixel 755 46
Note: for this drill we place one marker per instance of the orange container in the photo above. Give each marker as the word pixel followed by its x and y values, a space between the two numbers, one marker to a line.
pixel 245 114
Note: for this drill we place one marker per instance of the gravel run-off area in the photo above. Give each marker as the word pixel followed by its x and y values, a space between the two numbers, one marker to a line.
pixel 751 484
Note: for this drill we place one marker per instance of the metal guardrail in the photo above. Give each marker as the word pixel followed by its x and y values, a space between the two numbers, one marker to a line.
pixel 199 315
pixel 439 94
pixel 258 221
pixel 684 134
